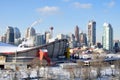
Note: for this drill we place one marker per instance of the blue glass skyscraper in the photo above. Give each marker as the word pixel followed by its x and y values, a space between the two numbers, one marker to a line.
pixel 10 35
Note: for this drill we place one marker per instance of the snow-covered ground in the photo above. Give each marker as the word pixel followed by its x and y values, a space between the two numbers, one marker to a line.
pixel 58 73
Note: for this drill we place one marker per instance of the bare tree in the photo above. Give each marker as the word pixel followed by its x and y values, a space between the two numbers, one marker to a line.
pixel 117 67
pixel 80 66
pixel 36 63
pixel 98 63
pixel 71 71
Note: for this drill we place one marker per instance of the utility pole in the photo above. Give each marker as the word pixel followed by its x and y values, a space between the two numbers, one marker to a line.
pixel 15 66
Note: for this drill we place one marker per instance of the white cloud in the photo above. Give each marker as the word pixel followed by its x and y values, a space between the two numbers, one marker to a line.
pixel 107 5
pixel 47 10
pixel 111 4
pixel 82 5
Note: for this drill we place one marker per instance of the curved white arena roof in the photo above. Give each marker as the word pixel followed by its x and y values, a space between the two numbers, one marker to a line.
pixel 5 44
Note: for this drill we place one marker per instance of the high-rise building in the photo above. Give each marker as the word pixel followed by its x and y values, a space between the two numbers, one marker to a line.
pixel 71 40
pixel 108 36
pixel 30 32
pixel 91 33
pixel 77 34
pixel 51 31
pixel 3 39
pixel 17 36
pixel 83 39
pixel 10 35
pixel 40 39
pixel 61 36
pixel 47 36
pixel 17 33
pixel 116 45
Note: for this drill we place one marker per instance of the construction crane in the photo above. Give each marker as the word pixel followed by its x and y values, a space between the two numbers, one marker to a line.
pixel 36 22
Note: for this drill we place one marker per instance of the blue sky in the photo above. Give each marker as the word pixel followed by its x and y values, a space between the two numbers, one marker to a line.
pixel 63 15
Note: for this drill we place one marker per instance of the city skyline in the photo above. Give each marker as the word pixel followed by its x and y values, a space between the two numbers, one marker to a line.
pixel 63 15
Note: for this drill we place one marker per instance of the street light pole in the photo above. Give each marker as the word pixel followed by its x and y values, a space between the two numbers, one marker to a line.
pixel 15 57
pixel 15 65
pixel 112 67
